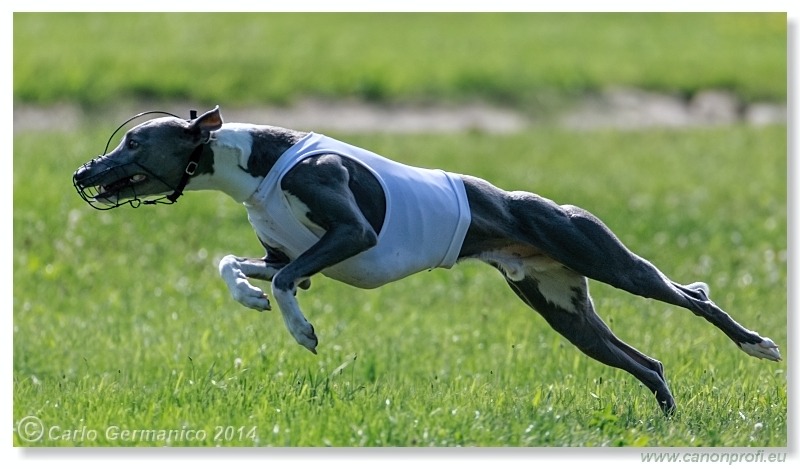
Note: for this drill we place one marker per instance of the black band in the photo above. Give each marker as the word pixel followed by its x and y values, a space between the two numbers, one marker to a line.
pixel 191 167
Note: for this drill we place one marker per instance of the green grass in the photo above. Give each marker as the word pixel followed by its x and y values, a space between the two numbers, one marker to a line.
pixel 121 320
pixel 519 59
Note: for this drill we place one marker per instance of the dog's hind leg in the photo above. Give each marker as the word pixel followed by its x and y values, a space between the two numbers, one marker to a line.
pixel 562 297
pixel 581 242
pixel 623 269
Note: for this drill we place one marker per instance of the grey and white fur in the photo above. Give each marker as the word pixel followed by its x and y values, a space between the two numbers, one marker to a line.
pixel 545 251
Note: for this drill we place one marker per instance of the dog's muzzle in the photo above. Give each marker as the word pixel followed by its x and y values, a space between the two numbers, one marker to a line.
pixel 111 187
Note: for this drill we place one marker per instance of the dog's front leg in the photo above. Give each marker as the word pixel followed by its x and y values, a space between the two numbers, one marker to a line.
pixel 335 246
pixel 319 187
pixel 235 271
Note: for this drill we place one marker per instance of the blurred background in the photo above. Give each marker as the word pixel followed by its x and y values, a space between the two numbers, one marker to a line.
pixel 406 72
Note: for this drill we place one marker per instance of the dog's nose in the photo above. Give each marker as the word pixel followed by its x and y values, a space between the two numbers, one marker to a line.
pixel 84 170
pixel 80 173
pixel 84 179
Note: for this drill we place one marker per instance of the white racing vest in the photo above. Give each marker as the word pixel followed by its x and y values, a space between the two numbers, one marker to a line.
pixel 427 216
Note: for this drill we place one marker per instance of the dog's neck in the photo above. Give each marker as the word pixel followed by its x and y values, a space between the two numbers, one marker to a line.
pixel 241 156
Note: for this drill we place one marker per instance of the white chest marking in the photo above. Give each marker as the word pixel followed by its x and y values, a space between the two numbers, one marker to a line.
pixel 232 147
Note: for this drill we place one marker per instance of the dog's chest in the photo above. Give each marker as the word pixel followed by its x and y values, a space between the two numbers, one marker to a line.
pixel 284 225
pixel 276 225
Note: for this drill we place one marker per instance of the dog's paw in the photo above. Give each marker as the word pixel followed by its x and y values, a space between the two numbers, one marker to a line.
pixel 252 297
pixel 304 334
pixel 302 331
pixel 299 327
pixel 764 349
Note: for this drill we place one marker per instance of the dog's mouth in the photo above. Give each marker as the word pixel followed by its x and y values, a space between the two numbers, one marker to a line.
pixel 112 190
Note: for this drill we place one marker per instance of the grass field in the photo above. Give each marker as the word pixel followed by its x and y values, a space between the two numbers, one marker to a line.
pixel 121 321
pixel 518 59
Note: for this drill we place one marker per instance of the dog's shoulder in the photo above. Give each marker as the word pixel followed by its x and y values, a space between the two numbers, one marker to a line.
pixel 322 173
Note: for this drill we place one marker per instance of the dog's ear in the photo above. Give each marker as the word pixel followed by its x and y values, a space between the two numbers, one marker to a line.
pixel 206 123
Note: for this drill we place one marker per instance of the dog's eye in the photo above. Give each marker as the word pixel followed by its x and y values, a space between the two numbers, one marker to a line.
pixel 133 144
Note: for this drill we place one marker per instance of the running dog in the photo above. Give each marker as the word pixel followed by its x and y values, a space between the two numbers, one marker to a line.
pixel 319 205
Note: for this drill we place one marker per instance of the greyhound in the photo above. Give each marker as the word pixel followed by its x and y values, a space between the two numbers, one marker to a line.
pixel 322 206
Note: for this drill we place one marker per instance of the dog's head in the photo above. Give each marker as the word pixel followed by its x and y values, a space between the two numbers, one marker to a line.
pixel 153 161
